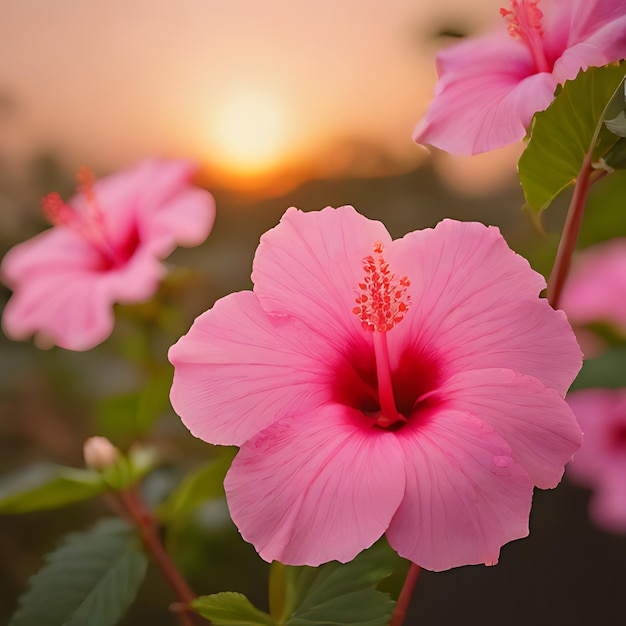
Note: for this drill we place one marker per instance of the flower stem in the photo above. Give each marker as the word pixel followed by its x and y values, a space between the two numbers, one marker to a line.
pixel 404 599
pixel 571 229
pixel 146 525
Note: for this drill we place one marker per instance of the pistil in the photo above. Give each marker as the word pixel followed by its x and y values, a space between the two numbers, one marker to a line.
pixel 524 23
pixel 382 303
pixel 88 224
pixel 389 413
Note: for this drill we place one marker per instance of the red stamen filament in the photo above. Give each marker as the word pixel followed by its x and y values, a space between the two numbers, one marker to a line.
pixel 87 224
pixel 524 23
pixel 382 303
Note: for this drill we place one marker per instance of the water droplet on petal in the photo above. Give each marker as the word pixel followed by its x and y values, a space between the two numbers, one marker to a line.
pixel 502 461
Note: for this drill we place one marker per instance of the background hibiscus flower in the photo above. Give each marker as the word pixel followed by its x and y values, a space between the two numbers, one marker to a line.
pixel 106 247
pixel 490 87
pixel 600 464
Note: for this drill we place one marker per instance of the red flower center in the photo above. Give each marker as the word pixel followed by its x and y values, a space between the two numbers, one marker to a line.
pixel 524 23
pixel 90 223
pixel 618 436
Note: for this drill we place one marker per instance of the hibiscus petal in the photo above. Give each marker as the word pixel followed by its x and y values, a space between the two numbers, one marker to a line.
pixel 583 18
pixel 485 98
pixel 536 422
pixel 239 370
pixel 314 489
pixel 475 306
pixel 596 287
pixel 309 266
pixel 604 46
pixel 465 494
pixel 78 313
pixel 607 506
pixel 186 219
pixel 600 412
pixel 58 247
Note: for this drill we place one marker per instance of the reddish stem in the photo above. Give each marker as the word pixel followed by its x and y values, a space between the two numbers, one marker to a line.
pixel 404 599
pixel 146 525
pixel 571 229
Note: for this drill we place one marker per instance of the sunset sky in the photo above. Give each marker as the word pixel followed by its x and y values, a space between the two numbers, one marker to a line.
pixel 242 85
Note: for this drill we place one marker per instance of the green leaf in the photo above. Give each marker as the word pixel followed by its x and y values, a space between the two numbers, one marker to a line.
pixel 90 579
pixel 617 125
pixel 131 415
pixel 563 134
pixel 201 486
pixel 231 609
pixel 333 593
pixel 128 470
pixel 605 371
pixel 615 158
pixel 42 487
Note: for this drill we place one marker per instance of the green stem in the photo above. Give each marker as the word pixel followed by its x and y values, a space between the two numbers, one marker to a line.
pixel 404 599
pixel 571 229
pixel 147 527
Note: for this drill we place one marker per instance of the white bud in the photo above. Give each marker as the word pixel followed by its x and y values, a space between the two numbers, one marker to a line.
pixel 100 453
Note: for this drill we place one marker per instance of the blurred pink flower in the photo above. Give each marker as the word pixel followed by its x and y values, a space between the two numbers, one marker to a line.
pixel 105 247
pixel 601 462
pixel 490 87
pixel 596 288
pixel 410 387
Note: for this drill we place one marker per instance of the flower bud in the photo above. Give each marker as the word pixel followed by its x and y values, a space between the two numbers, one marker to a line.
pixel 100 453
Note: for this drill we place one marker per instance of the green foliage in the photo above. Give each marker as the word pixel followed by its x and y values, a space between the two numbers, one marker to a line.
pixel 131 415
pixel 334 594
pixel 571 127
pixel 203 485
pixel 46 486
pixel 617 125
pixel 90 579
pixel 42 487
pixel 329 595
pixel 231 609
pixel 128 470
pixel 607 370
pixel 615 158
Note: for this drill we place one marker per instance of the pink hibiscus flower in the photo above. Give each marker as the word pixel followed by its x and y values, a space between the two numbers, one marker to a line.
pixel 596 288
pixel 601 462
pixel 490 87
pixel 105 247
pixel 410 387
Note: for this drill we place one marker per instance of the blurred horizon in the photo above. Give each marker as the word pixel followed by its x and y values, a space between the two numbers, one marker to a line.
pixel 262 95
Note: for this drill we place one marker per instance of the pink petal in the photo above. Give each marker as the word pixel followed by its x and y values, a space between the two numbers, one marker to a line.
pixel 309 267
pixel 466 496
pixel 606 45
pixel 536 422
pixel 596 288
pixel 62 292
pixel 239 370
pixel 77 313
pixel 598 411
pixel 601 462
pixel 607 506
pixel 587 17
pixel 58 247
pixel 476 306
pixel 317 488
pixel 186 220
pixel 485 98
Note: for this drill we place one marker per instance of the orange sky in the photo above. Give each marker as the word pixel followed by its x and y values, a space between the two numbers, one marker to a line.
pixel 234 83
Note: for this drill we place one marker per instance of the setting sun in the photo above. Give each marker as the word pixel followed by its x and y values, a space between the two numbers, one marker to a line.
pixel 248 132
